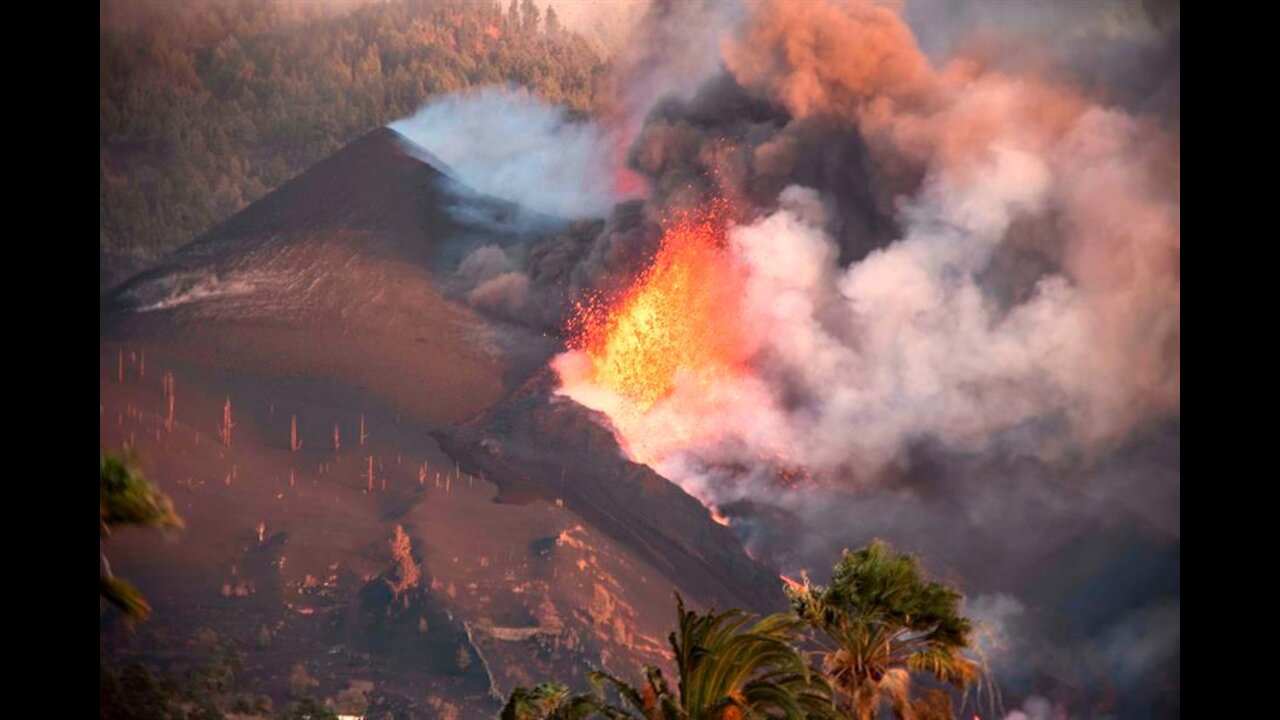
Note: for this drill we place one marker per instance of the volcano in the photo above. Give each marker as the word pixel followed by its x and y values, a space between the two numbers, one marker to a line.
pixel 302 383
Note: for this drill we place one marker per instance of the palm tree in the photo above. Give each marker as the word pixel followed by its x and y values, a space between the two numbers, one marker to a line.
pixel 730 666
pixel 880 621
pixel 126 498
pixel 549 701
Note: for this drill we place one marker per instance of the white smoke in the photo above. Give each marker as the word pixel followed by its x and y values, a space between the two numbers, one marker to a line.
pixel 938 340
pixel 853 364
pixel 509 144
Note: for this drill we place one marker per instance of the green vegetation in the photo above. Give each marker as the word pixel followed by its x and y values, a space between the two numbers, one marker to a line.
pixel 127 498
pixel 728 670
pixel 550 701
pixel 880 621
pixel 200 692
pixel 135 692
pixel 205 106
pixel 729 665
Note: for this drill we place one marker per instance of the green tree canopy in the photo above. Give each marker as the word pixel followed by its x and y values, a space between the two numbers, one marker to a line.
pixel 125 497
pixel 730 665
pixel 552 22
pixel 880 621
pixel 549 701
pixel 205 106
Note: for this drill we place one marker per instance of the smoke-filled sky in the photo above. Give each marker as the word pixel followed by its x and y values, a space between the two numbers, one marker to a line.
pixel 956 235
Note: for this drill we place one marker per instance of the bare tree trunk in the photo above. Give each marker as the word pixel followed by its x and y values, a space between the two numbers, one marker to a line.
pixel 169 401
pixel 226 423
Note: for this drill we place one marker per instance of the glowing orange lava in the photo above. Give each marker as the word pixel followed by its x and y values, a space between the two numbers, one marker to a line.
pixel 679 318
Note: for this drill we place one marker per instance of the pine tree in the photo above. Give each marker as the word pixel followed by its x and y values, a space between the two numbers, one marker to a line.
pixel 552 22
pixel 531 15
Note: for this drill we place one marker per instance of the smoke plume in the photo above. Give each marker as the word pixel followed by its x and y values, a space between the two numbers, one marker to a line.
pixel 955 269
pixel 923 337
pixel 511 145
pixel 954 253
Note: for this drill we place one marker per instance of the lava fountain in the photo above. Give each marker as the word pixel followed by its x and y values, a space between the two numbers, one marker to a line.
pixel 679 324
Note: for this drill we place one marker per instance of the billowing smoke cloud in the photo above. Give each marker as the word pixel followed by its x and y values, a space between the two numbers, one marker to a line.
pixel 672 50
pixel 511 145
pixel 915 339
pixel 960 309
pixel 537 286
pixel 1126 51
pixel 956 271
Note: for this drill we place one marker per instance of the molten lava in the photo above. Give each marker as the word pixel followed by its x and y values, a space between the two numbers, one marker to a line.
pixel 678 322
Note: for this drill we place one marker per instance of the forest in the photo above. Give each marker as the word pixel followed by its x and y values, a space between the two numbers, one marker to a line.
pixel 207 105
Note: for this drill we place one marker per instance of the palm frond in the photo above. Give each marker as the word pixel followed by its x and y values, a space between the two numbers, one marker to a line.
pixel 732 660
pixel 882 618
pixel 126 497
pixel 125 597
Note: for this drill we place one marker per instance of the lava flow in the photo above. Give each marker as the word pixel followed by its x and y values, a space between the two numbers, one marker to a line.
pixel 678 322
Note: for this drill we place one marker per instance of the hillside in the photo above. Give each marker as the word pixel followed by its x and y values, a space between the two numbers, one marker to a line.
pixel 316 320
pixel 206 106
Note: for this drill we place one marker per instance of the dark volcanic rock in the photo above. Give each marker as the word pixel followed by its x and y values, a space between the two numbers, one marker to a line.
pixel 537 442
pixel 379 197
pixel 341 276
